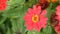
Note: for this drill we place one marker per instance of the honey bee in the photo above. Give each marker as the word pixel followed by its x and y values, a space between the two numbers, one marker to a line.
pixel 54 21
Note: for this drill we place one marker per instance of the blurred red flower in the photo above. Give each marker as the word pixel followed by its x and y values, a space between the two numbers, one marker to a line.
pixel 35 19
pixel 57 27
pixel 2 4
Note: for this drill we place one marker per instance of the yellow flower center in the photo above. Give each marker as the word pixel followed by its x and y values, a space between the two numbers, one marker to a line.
pixel 35 18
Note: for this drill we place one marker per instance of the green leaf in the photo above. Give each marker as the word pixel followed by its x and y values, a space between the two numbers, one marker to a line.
pixel 29 32
pixel 13 13
pixel 33 32
pixel 49 30
pixel 18 25
pixel 2 29
pixel 2 19
pixel 13 3
pixel 8 32
pixel 30 3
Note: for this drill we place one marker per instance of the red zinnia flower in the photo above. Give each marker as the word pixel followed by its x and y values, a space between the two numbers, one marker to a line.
pixel 2 4
pixel 57 27
pixel 58 11
pixel 35 19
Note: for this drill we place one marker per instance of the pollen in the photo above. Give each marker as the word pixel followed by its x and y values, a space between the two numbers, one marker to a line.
pixel 35 18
